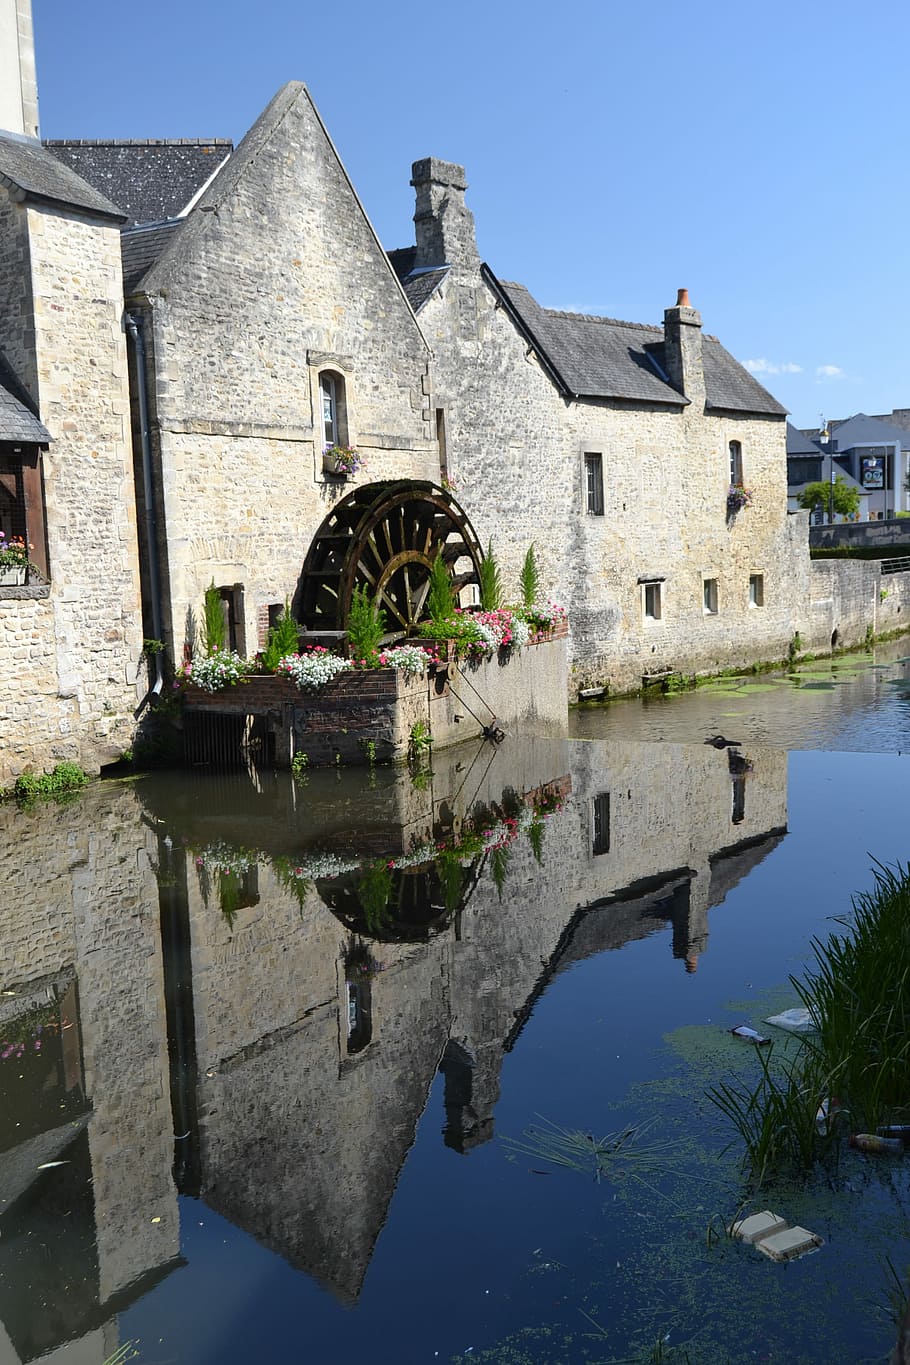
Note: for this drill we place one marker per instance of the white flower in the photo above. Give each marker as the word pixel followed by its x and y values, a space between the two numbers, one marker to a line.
pixel 410 659
pixel 313 670
pixel 218 670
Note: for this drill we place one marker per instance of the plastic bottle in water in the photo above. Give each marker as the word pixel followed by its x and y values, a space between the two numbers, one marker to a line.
pixel 895 1130
pixel 875 1143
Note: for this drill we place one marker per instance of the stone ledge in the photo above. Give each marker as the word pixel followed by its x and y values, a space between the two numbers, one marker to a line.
pixel 26 593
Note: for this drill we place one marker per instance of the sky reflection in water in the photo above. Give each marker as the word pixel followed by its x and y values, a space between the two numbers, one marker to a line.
pixel 343 1190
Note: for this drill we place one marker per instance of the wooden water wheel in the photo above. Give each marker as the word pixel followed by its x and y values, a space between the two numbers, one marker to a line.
pixel 385 536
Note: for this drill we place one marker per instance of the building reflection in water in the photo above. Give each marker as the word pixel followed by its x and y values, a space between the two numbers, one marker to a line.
pixel 228 978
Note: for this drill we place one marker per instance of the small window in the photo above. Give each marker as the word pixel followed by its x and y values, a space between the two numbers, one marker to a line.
pixel 600 824
pixel 232 606
pixel 709 596
pixel 756 590
pixel 332 399
pixel 441 444
pixel 736 462
pixel 652 603
pixel 594 484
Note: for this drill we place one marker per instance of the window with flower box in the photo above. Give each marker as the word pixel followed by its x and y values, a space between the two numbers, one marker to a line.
pixel 22 516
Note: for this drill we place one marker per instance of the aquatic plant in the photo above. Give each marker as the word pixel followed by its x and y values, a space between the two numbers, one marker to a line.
pixel 613 1156
pixel 858 993
pixel 776 1118
pixel 63 779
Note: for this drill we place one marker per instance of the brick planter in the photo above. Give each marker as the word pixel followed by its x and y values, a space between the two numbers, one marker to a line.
pixel 367 715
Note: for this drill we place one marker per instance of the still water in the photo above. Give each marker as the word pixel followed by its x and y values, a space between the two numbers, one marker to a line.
pixel 269 1050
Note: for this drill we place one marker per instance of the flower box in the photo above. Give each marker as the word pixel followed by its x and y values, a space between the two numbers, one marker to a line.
pixel 13 575
pixel 332 466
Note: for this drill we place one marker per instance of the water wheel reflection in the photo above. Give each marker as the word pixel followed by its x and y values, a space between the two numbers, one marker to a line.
pixel 401 905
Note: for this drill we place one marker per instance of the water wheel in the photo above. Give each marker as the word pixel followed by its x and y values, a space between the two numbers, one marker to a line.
pixel 385 536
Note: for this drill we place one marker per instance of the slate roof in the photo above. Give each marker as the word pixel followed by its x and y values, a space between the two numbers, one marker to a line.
pixel 418 285
pixel 861 430
pixel 151 178
pixel 17 420
pixel 595 357
pixel 27 166
pixel 140 248
pixel 800 444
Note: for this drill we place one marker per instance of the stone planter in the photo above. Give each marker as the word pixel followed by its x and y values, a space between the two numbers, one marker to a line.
pixel 13 576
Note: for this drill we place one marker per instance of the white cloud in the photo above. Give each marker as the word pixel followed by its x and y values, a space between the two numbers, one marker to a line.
pixel 762 366
pixel 829 372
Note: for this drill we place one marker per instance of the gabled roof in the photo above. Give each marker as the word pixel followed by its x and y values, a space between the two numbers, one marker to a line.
pixel 595 357
pixel 292 100
pixel 800 444
pixel 861 430
pixel 27 167
pixel 18 421
pixel 418 285
pixel 151 178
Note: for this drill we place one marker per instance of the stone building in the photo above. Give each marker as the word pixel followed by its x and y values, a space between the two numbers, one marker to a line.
pixel 612 446
pixel 264 321
pixel 70 633
pixel 268 325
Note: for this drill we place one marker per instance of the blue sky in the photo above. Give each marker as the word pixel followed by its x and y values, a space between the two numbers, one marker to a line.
pixel 755 154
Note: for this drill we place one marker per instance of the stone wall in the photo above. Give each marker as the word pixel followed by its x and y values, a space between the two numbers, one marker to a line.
pixel 515 447
pixel 69 658
pixel 868 534
pixel 275 277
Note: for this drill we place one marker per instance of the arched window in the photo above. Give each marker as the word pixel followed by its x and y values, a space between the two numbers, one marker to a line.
pixel 736 462
pixel 333 405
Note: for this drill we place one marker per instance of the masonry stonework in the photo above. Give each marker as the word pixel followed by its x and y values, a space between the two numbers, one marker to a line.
pixel 70 653
pixel 275 278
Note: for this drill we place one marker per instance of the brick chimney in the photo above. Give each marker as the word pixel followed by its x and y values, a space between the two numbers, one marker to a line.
pixel 444 224
pixel 682 349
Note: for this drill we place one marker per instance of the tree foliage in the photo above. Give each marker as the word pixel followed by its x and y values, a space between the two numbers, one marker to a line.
pixel 846 497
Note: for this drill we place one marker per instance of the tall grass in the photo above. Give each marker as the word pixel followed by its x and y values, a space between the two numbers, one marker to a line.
pixel 857 992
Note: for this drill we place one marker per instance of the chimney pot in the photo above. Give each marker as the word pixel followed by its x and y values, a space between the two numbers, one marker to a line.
pixel 682 298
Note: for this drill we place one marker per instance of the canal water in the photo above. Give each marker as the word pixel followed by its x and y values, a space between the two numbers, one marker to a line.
pixel 311 1070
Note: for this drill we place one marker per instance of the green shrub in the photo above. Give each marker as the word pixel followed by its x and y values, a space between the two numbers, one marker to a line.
pixel 530 579
pixel 490 581
pixel 441 602
pixel 284 639
pixel 366 624
pixel 214 633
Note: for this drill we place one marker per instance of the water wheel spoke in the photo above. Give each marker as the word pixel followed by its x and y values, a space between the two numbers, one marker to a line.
pixel 421 598
pixel 393 607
